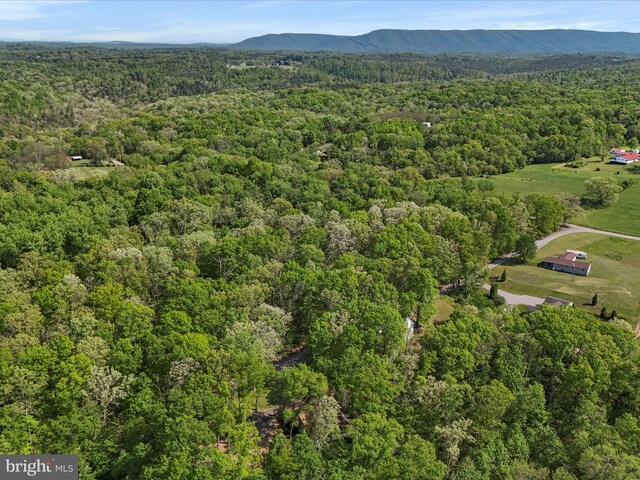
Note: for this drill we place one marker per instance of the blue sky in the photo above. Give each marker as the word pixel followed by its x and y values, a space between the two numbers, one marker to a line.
pixel 232 21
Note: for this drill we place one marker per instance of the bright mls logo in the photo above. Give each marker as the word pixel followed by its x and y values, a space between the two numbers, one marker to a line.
pixel 47 467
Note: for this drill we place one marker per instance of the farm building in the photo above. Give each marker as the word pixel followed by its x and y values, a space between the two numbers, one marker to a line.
pixel 625 158
pixel 622 157
pixel 567 263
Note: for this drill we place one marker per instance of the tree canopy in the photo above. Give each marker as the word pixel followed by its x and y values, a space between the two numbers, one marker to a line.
pixel 234 302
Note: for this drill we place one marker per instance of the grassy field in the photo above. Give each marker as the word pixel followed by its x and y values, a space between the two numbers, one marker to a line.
pixel 80 163
pixel 74 174
pixel 615 274
pixel 555 179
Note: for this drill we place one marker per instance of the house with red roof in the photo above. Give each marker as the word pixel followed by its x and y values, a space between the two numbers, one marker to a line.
pixel 622 157
pixel 567 263
pixel 625 158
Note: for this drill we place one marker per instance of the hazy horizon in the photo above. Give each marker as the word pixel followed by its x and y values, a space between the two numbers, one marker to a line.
pixel 229 22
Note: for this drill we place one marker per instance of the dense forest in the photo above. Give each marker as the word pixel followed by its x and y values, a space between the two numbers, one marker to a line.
pixel 232 303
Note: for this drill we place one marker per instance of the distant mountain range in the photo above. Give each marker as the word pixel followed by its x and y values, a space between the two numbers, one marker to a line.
pixel 452 41
pixel 415 41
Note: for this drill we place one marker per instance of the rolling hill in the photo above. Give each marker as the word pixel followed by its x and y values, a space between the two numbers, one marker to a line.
pixel 449 41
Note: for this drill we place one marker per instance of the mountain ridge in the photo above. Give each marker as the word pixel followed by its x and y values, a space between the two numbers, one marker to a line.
pixel 551 41
pixel 527 42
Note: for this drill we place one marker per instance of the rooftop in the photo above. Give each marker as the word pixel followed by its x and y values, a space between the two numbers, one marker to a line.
pixel 557 302
pixel 629 156
pixel 568 259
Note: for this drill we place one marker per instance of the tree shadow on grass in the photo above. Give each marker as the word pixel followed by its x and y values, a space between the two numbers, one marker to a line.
pixel 513 261
pixel 590 203
pixel 635 169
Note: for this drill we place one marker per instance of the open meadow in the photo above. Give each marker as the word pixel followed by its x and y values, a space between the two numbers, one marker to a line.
pixel 615 274
pixel 556 179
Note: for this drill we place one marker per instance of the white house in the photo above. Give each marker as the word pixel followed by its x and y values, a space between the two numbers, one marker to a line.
pixel 625 158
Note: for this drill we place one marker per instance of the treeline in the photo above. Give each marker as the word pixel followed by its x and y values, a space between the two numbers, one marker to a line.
pixel 145 75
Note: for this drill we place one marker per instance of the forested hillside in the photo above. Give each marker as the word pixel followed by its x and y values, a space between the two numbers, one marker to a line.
pixel 310 205
pixel 551 41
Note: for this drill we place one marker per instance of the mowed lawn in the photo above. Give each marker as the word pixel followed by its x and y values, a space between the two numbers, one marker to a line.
pixel 615 274
pixel 556 179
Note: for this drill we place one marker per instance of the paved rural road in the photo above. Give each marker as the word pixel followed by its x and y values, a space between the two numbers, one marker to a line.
pixel 513 299
pixel 569 229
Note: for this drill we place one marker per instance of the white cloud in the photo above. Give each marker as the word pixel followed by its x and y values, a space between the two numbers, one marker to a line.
pixel 224 22
pixel 261 4
pixel 176 31
pixel 16 11
pixel 596 25
pixel 107 29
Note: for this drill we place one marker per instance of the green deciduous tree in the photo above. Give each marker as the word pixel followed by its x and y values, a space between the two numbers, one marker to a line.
pixel 603 190
pixel 526 248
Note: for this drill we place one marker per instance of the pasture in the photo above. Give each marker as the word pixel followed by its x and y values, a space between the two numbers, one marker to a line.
pixel 556 179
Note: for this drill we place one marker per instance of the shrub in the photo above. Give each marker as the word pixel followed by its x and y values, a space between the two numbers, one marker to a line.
pixel 575 164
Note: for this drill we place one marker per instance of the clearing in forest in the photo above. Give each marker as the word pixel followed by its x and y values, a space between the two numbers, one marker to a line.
pixel 614 276
pixel 557 179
